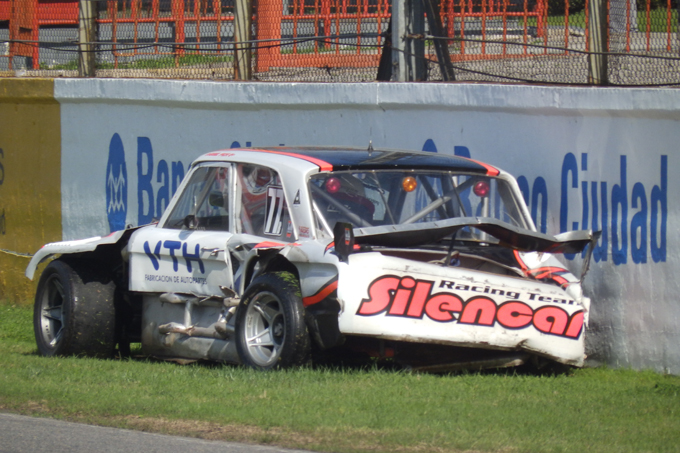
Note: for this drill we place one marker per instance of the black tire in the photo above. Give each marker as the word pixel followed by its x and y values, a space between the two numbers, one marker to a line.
pixel 270 326
pixel 74 312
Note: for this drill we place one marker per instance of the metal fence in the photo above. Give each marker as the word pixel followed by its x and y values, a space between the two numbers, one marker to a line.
pixel 521 41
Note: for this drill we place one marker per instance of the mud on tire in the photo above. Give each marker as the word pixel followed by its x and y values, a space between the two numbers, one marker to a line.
pixel 270 327
pixel 74 312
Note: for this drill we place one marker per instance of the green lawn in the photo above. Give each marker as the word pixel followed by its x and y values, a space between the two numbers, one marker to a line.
pixel 345 410
pixel 658 20
pixel 160 62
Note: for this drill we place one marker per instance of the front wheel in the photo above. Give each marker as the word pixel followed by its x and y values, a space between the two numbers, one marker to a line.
pixel 270 327
pixel 74 312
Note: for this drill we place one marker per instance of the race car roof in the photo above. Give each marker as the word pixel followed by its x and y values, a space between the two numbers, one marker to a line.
pixel 334 159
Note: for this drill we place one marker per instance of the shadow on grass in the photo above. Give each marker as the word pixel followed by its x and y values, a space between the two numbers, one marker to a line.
pixel 343 361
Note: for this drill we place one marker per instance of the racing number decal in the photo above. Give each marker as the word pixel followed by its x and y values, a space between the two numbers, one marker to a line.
pixel 273 223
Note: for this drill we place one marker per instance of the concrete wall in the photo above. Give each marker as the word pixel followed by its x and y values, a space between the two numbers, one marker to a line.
pixel 585 158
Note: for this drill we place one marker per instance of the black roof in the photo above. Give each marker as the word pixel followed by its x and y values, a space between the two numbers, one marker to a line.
pixel 383 159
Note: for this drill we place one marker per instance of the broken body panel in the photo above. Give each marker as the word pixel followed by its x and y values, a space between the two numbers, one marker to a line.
pixel 395 267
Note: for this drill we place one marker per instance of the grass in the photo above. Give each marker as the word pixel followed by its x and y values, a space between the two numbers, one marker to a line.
pixel 658 20
pixel 148 63
pixel 344 410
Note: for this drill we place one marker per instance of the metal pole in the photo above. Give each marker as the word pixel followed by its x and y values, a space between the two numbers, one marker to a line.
pixel 86 36
pixel 441 46
pixel 399 31
pixel 417 45
pixel 597 42
pixel 408 43
pixel 242 37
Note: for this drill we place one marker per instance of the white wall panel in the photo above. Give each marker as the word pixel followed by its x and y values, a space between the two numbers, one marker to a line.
pixel 581 154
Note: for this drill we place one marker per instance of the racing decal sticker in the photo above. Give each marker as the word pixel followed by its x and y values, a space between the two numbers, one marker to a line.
pixel 406 297
pixel 273 224
pixel 323 165
pixel 220 154
pixel 172 247
pixel 326 290
pixel 267 244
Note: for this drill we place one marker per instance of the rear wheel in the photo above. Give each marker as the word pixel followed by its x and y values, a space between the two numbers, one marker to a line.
pixel 270 327
pixel 74 312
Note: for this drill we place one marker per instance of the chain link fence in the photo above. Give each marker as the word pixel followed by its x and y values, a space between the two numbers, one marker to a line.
pixel 515 41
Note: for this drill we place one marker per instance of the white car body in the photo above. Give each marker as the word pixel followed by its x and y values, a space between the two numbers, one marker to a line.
pixel 439 289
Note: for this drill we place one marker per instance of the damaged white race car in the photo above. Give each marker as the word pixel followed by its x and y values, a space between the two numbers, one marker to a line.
pixel 264 256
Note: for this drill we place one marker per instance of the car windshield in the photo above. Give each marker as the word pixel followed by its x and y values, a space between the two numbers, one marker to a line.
pixel 375 198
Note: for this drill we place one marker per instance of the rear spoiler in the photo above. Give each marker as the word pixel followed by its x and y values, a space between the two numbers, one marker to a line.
pixel 521 239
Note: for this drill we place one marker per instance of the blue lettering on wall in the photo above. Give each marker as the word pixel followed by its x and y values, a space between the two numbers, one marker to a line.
pixel 659 207
pixel 600 250
pixel 461 151
pixel 163 177
pixel 116 185
pixel 625 213
pixel 539 198
pixel 156 182
pixel 644 230
pixel 429 146
pixel 638 225
pixel 620 200
pixel 152 201
pixel 568 168
pixel 145 198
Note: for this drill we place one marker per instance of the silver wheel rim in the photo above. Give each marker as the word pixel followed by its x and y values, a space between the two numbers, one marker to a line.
pixel 265 329
pixel 52 311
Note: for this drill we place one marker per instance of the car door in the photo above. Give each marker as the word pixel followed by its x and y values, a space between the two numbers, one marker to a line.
pixel 187 251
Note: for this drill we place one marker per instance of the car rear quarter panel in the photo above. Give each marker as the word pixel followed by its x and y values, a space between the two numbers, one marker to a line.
pixel 393 298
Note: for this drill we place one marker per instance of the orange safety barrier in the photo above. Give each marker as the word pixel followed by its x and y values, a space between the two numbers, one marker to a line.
pixel 334 26
pixel 181 12
pixel 25 18
pixel 458 13
pixel 326 16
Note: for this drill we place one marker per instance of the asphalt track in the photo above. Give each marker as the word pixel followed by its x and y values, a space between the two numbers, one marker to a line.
pixel 20 434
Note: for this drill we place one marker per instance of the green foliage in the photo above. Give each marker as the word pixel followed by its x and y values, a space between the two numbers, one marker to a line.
pixel 655 4
pixel 658 21
pixel 148 63
pixel 345 410
pixel 558 7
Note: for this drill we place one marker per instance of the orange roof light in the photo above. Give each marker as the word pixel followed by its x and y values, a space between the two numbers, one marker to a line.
pixel 409 184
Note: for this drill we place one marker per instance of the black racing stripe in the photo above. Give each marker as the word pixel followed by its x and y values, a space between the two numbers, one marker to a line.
pixel 355 159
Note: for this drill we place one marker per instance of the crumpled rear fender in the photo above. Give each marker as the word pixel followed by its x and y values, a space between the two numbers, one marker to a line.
pixel 72 247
